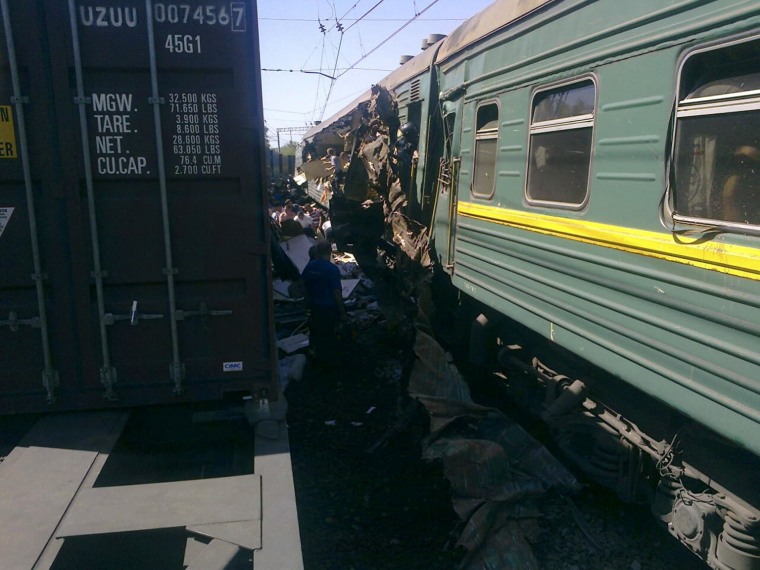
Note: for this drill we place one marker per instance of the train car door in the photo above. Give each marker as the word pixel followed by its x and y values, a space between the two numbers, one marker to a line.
pixel 444 216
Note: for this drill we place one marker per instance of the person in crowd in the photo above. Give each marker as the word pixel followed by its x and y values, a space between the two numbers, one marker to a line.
pixel 289 225
pixel 315 216
pixel 287 213
pixel 303 218
pixel 334 166
pixel 324 299
pixel 327 230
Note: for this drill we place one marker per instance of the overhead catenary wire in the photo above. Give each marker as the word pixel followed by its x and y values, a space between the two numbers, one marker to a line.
pixel 378 46
pixel 339 67
pixel 336 77
pixel 360 18
pixel 337 54
pixel 366 20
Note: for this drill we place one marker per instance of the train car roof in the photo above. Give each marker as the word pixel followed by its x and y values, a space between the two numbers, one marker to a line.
pixel 489 20
pixel 415 66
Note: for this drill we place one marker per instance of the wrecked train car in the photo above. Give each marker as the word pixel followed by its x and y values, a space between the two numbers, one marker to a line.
pixel 579 171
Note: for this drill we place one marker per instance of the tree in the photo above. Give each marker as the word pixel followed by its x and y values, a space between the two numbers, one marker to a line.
pixel 289 149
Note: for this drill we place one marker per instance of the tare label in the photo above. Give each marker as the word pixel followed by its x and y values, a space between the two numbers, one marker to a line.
pixel 5 217
pixel 7 133
pixel 232 367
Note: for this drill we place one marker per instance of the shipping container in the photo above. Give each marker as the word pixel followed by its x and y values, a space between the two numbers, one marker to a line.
pixel 134 246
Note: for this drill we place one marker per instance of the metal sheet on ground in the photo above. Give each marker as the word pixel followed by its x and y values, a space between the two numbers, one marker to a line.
pixel 217 555
pixel 281 540
pixel 163 505
pixel 41 476
pixel 246 534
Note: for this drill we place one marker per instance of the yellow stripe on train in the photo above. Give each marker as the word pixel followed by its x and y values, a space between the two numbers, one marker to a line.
pixel 726 258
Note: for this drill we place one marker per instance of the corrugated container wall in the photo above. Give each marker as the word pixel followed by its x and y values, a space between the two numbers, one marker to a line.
pixel 134 253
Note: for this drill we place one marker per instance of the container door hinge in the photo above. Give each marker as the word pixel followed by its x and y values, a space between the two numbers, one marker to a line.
pixel 50 381
pixel 108 379
pixel 202 311
pixel 177 375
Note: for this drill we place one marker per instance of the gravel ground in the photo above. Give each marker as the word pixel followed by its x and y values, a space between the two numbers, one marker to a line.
pixel 365 498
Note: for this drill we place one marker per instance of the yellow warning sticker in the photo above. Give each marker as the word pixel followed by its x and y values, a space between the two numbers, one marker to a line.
pixel 7 133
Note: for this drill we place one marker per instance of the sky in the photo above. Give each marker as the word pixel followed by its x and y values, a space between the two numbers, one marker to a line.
pixel 291 41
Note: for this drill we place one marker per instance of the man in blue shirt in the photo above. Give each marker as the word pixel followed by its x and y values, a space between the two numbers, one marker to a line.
pixel 324 298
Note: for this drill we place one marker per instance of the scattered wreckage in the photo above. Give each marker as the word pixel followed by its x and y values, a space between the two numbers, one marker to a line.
pixel 491 462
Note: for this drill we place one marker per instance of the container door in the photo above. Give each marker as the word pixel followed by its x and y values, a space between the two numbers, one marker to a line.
pixel 32 315
pixel 142 223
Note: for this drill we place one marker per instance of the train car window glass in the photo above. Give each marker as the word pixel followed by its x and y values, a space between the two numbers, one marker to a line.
pixel 561 133
pixel 717 145
pixel 486 137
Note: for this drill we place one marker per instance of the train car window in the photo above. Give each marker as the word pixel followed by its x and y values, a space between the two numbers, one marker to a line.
pixel 717 145
pixel 486 137
pixel 561 130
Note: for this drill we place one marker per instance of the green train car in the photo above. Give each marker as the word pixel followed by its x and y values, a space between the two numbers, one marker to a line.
pixel 590 174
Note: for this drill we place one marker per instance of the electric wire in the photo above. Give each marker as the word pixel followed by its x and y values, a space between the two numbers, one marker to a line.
pixel 333 80
pixel 360 18
pixel 433 3
pixel 337 54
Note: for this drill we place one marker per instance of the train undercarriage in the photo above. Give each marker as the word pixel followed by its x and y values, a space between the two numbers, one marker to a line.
pixel 703 488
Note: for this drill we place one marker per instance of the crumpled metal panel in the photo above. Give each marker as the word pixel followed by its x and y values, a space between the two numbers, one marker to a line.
pixel 490 461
